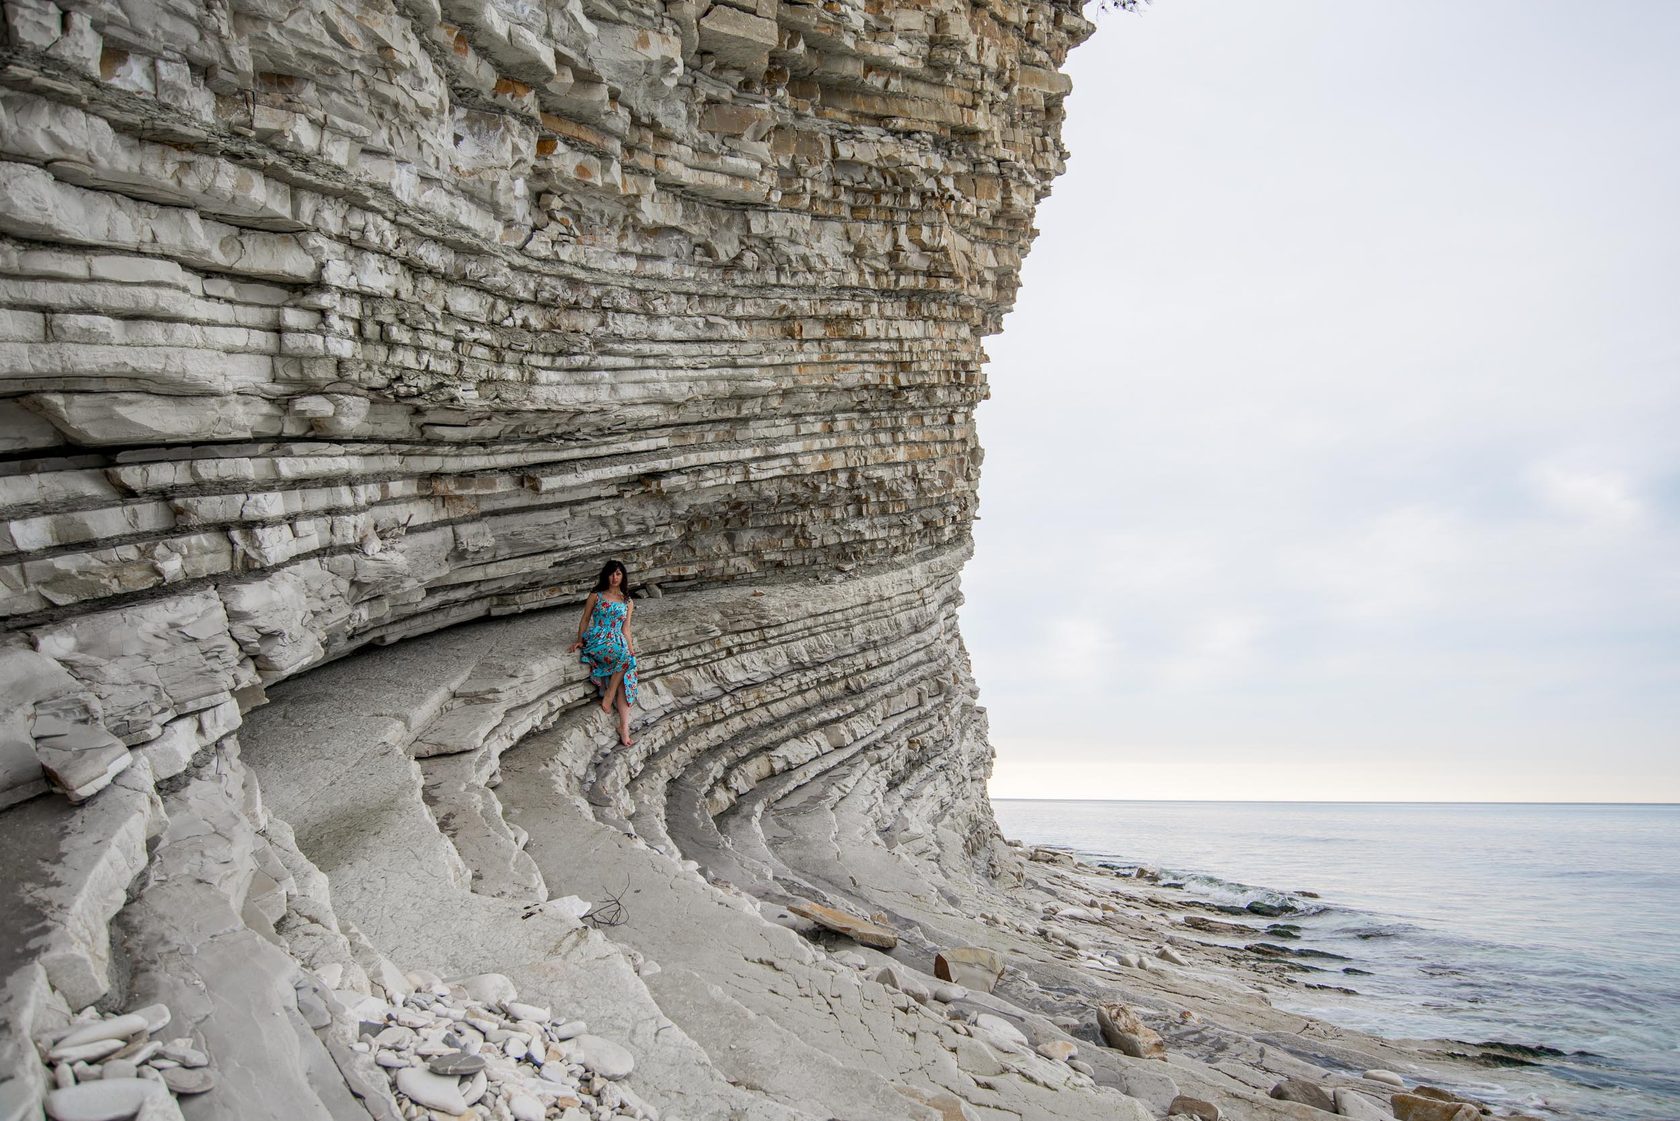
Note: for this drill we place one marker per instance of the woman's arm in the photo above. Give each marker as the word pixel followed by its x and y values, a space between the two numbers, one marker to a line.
pixel 629 613
pixel 583 623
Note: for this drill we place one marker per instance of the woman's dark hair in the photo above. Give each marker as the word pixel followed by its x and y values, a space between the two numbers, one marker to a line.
pixel 623 581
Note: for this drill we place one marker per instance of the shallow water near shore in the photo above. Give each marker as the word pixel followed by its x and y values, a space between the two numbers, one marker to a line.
pixel 1553 929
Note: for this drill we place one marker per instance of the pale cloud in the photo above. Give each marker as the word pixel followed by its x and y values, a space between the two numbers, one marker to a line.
pixel 1213 649
pixel 1353 433
pixel 1599 497
pixel 1393 566
pixel 1075 650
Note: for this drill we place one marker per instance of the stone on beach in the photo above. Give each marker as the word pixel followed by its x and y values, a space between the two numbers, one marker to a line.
pixel 600 1055
pixel 1001 1029
pixel 1301 1091
pixel 455 1064
pixel 899 978
pixel 489 988
pixel 973 967
pixel 1058 1050
pixel 1385 1076
pixel 1125 1031
pixel 117 1027
pixel 525 1107
pixel 114 1099
pixel 859 930
pixel 1186 1106
pixel 1363 1107
pixel 431 1090
pixel 1416 1107
pixel 90 1051
pixel 188 1080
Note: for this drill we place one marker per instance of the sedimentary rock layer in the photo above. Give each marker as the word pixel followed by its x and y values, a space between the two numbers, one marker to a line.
pixel 336 323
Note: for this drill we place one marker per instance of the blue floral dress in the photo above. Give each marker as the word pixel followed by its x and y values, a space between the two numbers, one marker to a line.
pixel 604 650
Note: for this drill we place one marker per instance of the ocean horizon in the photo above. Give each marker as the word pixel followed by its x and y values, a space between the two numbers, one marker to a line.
pixel 1543 927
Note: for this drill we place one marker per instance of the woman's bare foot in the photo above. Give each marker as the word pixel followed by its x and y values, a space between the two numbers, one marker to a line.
pixel 606 703
pixel 624 737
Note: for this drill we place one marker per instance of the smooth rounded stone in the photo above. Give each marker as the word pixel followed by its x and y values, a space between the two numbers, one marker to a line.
pixel 455 1064
pixel 1416 1107
pixel 1000 1028
pixel 850 958
pixel 475 1088
pixel 1361 1107
pixel 396 1037
pixel 901 979
pixel 189 1080
pixel 431 1090
pixel 1301 1091
pixel 108 1099
pixel 601 1056
pixel 1168 954
pixel 119 1068
pixel 139 1050
pixel 1387 1077
pixel 973 967
pixel 63 1076
pixel 1186 1106
pixel 524 1107
pixel 117 1027
pixel 946 993
pixel 1058 1050
pixel 571 1029
pixel 1083 1067
pixel 533 1012
pixel 182 1051
pixel 391 1060
pixel 84 1071
pixel 157 1016
pixel 1125 1031
pixel 88 1052
pixel 489 988
pixel 557 1073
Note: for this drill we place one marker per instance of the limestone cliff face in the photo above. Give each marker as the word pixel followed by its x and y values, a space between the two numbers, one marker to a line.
pixel 332 323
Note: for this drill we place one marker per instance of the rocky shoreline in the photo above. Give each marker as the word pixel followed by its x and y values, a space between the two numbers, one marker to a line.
pixel 458 873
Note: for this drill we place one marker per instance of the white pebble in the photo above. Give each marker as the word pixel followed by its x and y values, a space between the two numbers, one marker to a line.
pixel 104 1100
pixel 86 1052
pixel 528 1012
pixel 431 1090
pixel 117 1027
pixel 524 1107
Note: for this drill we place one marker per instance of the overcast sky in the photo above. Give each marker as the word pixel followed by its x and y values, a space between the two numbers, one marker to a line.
pixel 1334 444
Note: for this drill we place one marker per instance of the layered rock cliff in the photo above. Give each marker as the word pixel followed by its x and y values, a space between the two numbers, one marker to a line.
pixel 332 323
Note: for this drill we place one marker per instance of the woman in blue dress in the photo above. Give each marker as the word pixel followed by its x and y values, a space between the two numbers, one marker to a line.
pixel 608 646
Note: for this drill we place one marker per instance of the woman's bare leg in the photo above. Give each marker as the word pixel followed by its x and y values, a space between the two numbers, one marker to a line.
pixel 614 687
pixel 624 718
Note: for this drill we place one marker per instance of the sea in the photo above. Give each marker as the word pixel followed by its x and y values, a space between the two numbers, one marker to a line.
pixel 1551 929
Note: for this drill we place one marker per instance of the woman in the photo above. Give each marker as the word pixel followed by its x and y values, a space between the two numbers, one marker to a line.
pixel 609 649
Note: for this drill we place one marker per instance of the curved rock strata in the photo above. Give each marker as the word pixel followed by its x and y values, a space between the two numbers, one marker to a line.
pixel 336 324
pixel 350 323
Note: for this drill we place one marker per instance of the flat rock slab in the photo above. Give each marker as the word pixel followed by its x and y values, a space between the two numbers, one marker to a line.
pixel 857 929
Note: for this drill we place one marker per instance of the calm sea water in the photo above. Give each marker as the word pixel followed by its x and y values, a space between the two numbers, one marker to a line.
pixel 1554 926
